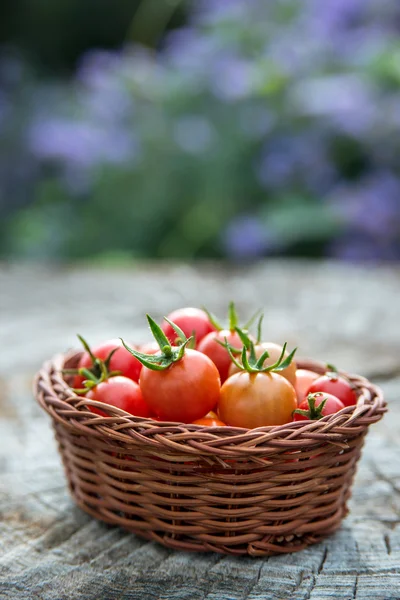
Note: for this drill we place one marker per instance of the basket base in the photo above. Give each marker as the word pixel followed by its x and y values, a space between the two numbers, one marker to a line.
pixel 270 545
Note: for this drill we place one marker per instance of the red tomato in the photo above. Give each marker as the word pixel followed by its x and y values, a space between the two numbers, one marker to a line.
pixel 122 361
pixel 304 379
pixel 209 422
pixel 256 400
pixel 219 355
pixel 120 392
pixel 338 386
pixel 189 320
pixel 332 405
pixel 185 391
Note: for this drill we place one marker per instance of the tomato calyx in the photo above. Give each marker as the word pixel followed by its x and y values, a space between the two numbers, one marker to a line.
pixel 168 354
pixel 233 319
pixel 98 372
pixel 92 380
pixel 314 412
pixel 250 362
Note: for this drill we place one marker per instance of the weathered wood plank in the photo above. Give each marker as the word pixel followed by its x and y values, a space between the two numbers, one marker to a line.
pixel 50 550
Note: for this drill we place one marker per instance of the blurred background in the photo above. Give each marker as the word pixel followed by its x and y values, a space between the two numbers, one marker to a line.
pixel 205 129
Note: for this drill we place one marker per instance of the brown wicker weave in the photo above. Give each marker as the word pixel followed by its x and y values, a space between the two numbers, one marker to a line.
pixel 231 490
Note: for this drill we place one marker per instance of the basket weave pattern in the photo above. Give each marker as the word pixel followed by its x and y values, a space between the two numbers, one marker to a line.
pixel 259 492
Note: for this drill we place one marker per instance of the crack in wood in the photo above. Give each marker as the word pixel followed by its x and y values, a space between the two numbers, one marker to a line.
pixel 355 588
pixel 386 539
pixel 324 557
pixel 257 579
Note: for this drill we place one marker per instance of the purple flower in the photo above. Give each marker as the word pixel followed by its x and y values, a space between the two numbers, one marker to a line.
pixel 97 67
pixel 189 50
pixel 212 11
pixel 331 15
pixel 80 143
pixel 233 78
pixel 363 248
pixel 299 160
pixel 113 104
pixel 246 237
pixel 347 100
pixel 371 207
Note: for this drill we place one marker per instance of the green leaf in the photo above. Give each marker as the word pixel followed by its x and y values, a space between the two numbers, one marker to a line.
pixel 244 337
pixel 252 355
pixel 233 359
pixel 276 365
pixel 181 351
pixel 233 316
pixel 315 412
pixel 88 374
pixel 158 333
pixel 86 347
pixel 247 365
pixel 250 322
pixel 109 357
pixel 156 358
pixel 304 413
pixel 260 362
pixel 233 349
pixel 213 319
pixel 177 330
pixel 259 328
pixel 287 362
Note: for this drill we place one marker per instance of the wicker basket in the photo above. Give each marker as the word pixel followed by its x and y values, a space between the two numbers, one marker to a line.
pixel 230 490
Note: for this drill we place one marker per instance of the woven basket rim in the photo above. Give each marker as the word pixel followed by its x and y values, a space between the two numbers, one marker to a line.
pixel 57 399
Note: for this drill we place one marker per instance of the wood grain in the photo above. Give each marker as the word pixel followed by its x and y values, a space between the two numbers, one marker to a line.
pixel 50 550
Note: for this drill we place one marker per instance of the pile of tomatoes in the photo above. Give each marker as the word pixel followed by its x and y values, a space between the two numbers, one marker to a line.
pixel 197 371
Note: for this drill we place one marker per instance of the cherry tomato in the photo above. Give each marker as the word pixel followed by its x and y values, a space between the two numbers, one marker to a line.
pixel 336 385
pixel 185 391
pixel 190 320
pixel 256 400
pixel 209 422
pixel 211 415
pixel 332 405
pixel 218 354
pixel 120 392
pixel 121 360
pixel 304 379
pixel 274 351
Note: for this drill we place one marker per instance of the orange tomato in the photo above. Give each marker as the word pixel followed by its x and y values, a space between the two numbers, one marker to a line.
pixel 209 422
pixel 256 400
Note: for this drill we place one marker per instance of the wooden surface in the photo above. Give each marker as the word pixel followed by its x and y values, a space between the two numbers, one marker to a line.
pixel 50 550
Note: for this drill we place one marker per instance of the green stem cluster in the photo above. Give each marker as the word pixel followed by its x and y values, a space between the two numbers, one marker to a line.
pixel 314 412
pixel 250 362
pixel 168 354
pixel 97 373
pixel 233 319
